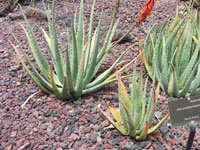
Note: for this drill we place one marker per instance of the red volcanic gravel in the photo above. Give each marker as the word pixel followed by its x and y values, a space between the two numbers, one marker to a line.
pixel 46 123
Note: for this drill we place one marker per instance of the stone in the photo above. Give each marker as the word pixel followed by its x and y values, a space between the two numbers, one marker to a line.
pixel 49 127
pixel 99 140
pixel 35 13
pixel 163 98
pixel 5 7
pixel 198 141
pixel 95 127
pixel 159 145
pixel 65 18
pixel 76 112
pixel 43 146
pixel 116 141
pixel 128 146
pixel 158 114
pixel 94 137
pixel 196 3
pixel 197 147
pixel 70 145
pixel 59 131
pixel 9 147
pixel 102 147
pixel 36 114
pixel 163 130
pixel 143 144
pixel 64 124
pixel 15 67
pixel 31 12
pixel 74 136
pixel 1 148
pixel 13 134
pixel 91 119
pixel 35 129
pixel 105 123
pixel 52 105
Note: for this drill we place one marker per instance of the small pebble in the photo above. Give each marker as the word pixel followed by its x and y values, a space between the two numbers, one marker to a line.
pixel 143 144
pixel 101 147
pixel 94 137
pixel 76 112
pixel 164 129
pixel 129 146
pixel 116 141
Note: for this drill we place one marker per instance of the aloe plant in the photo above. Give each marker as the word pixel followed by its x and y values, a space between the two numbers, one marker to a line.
pixel 135 115
pixel 174 52
pixel 74 75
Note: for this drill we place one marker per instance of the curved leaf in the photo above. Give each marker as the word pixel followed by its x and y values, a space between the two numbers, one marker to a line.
pixel 55 89
pixel 157 126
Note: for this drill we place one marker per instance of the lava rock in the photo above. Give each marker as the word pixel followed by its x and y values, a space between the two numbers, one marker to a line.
pixel 74 136
pixel 64 124
pixel 128 146
pixel 163 129
pixel 79 101
pixel 76 112
pixel 102 147
pixel 60 131
pixel 5 6
pixel 91 119
pixel 116 141
pixel 171 136
pixel 159 145
pixel 143 144
pixel 105 141
pixel 12 74
pixel 94 137
pixel 31 13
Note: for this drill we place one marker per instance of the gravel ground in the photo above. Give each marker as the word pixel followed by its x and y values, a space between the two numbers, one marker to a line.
pixel 45 123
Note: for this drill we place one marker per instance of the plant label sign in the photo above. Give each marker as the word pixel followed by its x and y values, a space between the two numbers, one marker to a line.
pixel 183 111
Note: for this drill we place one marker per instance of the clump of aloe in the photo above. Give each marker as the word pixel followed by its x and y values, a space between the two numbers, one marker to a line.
pixel 74 75
pixel 135 116
pixel 175 51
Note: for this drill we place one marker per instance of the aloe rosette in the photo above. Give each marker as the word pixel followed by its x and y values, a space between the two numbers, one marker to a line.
pixel 174 53
pixel 74 75
pixel 135 116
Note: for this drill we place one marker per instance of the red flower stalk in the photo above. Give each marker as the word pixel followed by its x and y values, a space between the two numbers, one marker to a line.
pixel 146 11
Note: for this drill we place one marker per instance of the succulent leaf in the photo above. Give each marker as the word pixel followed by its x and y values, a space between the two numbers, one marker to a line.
pixel 80 82
pixel 123 96
pixel 131 124
pixel 116 115
pixel 173 85
pixel 144 133
pixel 55 88
pixel 35 78
pixel 80 33
pixel 74 54
pixel 66 89
pixel 157 126
pixel 147 65
pixel 121 129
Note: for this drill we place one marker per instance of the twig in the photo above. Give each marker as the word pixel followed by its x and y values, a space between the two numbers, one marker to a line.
pixel 133 27
pixel 29 99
